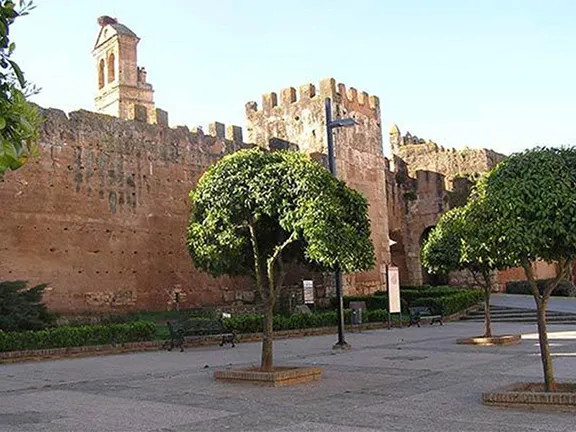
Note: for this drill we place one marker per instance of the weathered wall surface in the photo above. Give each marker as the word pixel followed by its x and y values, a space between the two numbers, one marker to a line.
pixel 541 269
pixel 419 154
pixel 102 215
pixel 423 181
pixel 299 118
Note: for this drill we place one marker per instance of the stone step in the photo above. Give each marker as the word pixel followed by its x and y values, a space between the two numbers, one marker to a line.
pixel 517 314
pixel 502 314
pixel 527 320
pixel 533 318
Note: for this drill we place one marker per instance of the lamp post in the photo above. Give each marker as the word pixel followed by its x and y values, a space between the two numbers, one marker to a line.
pixel 330 125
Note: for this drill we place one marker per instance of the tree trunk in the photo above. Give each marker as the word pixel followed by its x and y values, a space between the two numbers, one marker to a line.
pixel 487 317
pixel 268 335
pixel 549 382
pixel 541 306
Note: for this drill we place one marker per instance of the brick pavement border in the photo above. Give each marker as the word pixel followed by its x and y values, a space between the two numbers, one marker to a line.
pixel 280 377
pixel 491 341
pixel 533 396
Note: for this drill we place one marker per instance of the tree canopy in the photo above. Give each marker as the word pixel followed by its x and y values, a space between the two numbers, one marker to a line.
pixel 442 250
pixel 19 120
pixel 530 202
pixel 462 241
pixel 286 196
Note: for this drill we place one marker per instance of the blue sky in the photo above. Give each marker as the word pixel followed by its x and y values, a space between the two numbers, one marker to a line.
pixel 490 73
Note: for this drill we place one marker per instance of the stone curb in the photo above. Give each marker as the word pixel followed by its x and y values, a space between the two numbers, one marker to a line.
pixel 491 341
pixel 193 341
pixel 278 378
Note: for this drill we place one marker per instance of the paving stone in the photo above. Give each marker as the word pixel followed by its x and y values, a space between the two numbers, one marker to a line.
pixel 395 380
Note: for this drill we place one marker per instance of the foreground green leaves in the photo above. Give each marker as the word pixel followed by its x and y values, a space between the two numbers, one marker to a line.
pixel 19 120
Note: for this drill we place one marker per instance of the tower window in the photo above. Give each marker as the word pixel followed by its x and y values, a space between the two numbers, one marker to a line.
pixel 101 74
pixel 111 68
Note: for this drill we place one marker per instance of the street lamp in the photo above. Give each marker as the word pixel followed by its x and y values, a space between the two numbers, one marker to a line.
pixel 332 124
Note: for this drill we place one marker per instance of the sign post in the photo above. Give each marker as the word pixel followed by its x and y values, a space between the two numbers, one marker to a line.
pixel 393 285
pixel 308 291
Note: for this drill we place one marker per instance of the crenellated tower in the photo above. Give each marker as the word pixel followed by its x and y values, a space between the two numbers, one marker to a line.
pixel 123 90
pixel 298 117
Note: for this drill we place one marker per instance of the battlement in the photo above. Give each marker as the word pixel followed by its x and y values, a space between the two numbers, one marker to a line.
pixel 398 140
pixel 228 132
pixel 94 121
pixel 420 154
pixel 327 88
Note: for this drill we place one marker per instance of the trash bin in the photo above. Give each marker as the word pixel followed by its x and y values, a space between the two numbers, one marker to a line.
pixel 357 310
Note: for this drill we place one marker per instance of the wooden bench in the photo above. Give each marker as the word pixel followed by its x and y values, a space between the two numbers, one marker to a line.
pixel 176 338
pixel 199 327
pixel 423 313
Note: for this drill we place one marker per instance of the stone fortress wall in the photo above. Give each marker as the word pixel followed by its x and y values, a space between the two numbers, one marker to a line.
pixel 420 179
pixel 101 216
pixel 299 118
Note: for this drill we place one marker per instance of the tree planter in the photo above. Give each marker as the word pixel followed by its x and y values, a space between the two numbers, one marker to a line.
pixel 278 377
pixel 491 341
pixel 533 396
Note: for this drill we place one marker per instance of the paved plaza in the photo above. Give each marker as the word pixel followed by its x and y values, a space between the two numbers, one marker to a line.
pixel 556 304
pixel 411 379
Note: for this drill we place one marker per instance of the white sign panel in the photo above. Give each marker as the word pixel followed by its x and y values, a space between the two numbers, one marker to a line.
pixel 308 291
pixel 393 290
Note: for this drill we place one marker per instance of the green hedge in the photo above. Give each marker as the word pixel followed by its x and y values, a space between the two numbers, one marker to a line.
pixel 372 302
pixel 411 295
pixel 254 323
pixel 442 299
pixel 451 304
pixel 71 336
pixel 564 289
pixel 407 297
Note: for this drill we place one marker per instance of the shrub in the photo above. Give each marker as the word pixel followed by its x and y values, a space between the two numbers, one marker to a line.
pixel 22 308
pixel 62 337
pixel 407 297
pixel 372 302
pixel 442 299
pixel 433 292
pixel 201 326
pixel 414 287
pixel 253 323
pixel 451 304
pixel 565 288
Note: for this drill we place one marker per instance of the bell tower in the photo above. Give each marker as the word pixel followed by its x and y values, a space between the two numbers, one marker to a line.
pixel 122 90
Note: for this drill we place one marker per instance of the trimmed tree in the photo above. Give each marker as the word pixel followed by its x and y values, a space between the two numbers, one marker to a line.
pixel 460 241
pixel 255 211
pixel 529 201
